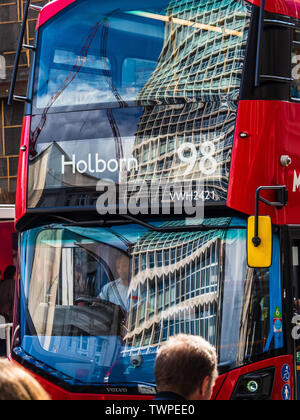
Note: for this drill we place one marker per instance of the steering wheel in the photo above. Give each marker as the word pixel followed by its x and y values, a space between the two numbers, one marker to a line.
pixel 86 301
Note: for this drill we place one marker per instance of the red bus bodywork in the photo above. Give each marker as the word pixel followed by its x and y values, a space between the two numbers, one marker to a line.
pixel 6 235
pixel 283 7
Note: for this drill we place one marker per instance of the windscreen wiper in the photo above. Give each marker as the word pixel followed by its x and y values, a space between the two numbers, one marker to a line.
pixel 166 229
pixel 162 229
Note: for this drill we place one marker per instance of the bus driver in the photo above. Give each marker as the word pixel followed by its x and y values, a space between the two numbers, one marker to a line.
pixel 117 291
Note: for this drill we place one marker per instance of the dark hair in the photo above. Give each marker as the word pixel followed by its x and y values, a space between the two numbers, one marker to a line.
pixel 183 363
pixel 10 272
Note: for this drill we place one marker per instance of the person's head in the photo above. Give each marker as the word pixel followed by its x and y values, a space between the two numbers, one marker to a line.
pixel 10 273
pixel 122 267
pixel 18 385
pixel 186 365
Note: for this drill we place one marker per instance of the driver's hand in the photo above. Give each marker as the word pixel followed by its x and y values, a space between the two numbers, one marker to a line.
pixel 123 330
pixel 98 300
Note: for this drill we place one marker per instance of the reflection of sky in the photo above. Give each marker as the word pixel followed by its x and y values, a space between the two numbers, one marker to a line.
pixel 155 28
pixel 128 38
pixel 84 89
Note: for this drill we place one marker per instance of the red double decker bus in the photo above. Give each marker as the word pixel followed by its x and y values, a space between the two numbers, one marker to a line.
pixel 129 101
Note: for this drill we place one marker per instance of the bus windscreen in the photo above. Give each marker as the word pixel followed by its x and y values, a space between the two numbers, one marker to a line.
pixel 98 301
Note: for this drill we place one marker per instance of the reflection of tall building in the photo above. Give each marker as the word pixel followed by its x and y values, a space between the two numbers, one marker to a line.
pixel 192 95
pixel 174 288
pixel 11 16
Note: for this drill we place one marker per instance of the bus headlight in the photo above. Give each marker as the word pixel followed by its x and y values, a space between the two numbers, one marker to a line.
pixel 255 386
pixel 252 386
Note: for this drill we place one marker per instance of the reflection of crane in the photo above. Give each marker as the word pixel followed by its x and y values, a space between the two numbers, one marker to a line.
pixel 68 80
pixel 116 134
pixel 109 80
pixel 107 71
pixel 73 74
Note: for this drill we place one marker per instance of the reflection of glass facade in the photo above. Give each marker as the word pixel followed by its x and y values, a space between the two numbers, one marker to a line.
pixel 11 16
pixel 162 131
pixel 203 51
pixel 198 76
pixel 10 130
pixel 174 288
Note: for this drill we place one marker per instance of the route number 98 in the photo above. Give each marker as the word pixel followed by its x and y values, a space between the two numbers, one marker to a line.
pixel 207 165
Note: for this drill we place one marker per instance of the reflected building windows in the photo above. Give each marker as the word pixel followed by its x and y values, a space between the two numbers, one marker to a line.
pixel 180 293
pixel 200 66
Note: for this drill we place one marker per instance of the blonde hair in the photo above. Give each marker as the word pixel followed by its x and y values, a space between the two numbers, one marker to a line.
pixel 16 384
pixel 183 363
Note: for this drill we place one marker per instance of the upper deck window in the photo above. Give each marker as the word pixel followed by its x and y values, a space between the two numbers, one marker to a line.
pixel 111 52
pixel 295 88
pixel 159 81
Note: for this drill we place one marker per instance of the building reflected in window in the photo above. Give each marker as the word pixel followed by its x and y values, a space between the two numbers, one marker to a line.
pixel 175 295
pixel 192 95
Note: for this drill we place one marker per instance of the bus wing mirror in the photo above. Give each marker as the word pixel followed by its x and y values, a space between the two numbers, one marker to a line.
pixel 259 241
pixel 260 250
